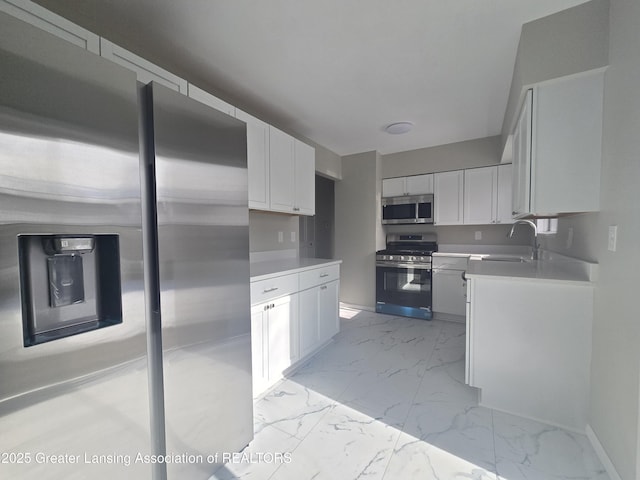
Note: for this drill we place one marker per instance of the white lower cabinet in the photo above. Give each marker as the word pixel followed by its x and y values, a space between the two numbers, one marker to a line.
pixel 271 336
pixel 550 345
pixel 292 316
pixel 319 319
pixel 329 321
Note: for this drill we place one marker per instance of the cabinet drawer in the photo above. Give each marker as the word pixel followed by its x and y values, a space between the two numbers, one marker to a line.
pixel 264 290
pixel 318 276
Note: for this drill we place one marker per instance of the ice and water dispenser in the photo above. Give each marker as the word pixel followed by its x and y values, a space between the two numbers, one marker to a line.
pixel 70 284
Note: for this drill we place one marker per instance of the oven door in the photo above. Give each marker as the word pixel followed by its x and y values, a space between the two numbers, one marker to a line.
pixel 403 289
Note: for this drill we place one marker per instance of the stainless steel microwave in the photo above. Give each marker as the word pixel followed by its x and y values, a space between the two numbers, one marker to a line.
pixel 408 209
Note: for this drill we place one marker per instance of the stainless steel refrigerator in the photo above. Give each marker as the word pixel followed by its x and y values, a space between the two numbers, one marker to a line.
pixel 124 271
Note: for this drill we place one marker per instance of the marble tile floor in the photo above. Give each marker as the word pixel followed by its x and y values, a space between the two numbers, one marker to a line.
pixel 387 400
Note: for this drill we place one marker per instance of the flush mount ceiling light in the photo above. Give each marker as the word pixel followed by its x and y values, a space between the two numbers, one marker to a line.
pixel 399 128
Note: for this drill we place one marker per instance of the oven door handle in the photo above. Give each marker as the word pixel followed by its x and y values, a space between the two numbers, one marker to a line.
pixel 413 266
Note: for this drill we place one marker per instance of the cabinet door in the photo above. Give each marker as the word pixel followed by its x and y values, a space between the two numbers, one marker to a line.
pixel 258 349
pixel 50 22
pixel 146 71
pixel 257 160
pixel 449 295
pixel 281 171
pixel 305 179
pixel 308 314
pixel 480 195
pixel 448 197
pixel 393 187
pixel 279 337
pixel 522 160
pixel 505 179
pixel 419 184
pixel 208 99
pixel 329 316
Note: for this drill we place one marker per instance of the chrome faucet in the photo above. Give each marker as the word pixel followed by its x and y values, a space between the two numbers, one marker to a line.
pixel 534 246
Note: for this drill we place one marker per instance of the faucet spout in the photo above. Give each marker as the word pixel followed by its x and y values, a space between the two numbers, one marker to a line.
pixel 534 245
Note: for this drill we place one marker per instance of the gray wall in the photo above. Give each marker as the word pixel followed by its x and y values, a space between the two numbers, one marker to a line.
pixel 571 41
pixel 615 372
pixel 357 223
pixel 328 164
pixel 264 228
pixel 465 234
pixel 454 156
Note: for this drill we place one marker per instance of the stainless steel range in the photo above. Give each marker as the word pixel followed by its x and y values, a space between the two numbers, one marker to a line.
pixel 403 275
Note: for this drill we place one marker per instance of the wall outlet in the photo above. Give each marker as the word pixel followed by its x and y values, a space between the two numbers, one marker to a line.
pixel 569 237
pixel 478 235
pixel 613 238
pixel 280 237
pixel 293 236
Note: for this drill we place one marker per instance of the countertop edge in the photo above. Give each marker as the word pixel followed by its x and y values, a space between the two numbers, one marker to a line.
pixel 279 268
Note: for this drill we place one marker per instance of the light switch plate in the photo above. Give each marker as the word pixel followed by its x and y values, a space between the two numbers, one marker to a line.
pixel 293 236
pixel 613 238
pixel 280 237
pixel 478 235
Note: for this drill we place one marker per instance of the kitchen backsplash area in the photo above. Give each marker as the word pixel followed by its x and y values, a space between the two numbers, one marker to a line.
pixel 273 231
pixel 466 234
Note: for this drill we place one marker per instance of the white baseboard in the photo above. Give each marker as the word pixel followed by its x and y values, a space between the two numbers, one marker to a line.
pixel 602 455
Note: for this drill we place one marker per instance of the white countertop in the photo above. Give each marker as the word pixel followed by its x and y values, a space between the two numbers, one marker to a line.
pixel 552 267
pixel 263 270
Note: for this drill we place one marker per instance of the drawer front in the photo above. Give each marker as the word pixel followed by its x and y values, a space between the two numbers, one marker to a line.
pixel 265 290
pixel 318 276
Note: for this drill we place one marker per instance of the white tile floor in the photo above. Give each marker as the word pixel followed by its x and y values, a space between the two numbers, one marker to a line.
pixel 387 400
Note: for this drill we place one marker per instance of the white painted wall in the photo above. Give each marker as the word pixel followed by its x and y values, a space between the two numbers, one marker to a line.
pixel 614 413
pixel 357 223
pixel 570 41
pixel 454 156
pixel 264 228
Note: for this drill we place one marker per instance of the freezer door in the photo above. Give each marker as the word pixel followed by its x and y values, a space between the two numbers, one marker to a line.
pixel 203 250
pixel 69 172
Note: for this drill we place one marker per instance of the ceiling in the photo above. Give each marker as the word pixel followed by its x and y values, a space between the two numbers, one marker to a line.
pixel 335 71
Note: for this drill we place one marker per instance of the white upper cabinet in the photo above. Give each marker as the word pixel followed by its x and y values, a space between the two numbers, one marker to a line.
pixel 412 185
pixel 487 195
pixel 448 198
pixel 145 70
pixel 292 174
pixel 208 99
pixel 558 147
pixel 480 195
pixel 522 159
pixel 257 160
pixel 305 179
pixel 505 180
pixel 50 22
pixel 393 187
pixel 282 171
pixel 419 184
